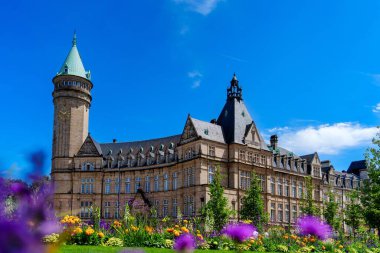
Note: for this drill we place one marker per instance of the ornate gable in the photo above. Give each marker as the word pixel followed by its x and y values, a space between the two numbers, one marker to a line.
pixel 251 136
pixel 89 148
pixel 189 132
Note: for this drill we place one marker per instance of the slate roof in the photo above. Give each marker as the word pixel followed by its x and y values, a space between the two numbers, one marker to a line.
pixel 309 158
pixel 356 166
pixel 208 130
pixel 282 151
pixel 146 145
pixel 234 120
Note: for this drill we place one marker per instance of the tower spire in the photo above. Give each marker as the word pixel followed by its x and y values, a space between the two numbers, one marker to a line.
pixel 75 39
pixel 234 91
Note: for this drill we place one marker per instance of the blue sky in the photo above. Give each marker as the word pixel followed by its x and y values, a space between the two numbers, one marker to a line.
pixel 310 70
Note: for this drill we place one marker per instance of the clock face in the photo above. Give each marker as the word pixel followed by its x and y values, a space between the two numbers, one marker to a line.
pixel 63 114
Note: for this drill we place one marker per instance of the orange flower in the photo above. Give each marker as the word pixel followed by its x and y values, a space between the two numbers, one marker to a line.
pixel 323 248
pixel 169 230
pixel 286 237
pixel 89 231
pixel 100 235
pixel 176 233
pixel 148 229
pixel 200 237
pixel 184 229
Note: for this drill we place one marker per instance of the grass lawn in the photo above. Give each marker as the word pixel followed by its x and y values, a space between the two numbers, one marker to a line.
pixel 101 249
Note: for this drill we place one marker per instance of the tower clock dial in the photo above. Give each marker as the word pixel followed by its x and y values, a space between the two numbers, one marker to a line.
pixel 63 114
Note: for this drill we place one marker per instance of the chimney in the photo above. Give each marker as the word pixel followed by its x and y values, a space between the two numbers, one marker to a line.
pixel 274 141
pixel 114 140
pixel 213 121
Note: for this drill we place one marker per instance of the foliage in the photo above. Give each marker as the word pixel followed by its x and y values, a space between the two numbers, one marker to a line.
pixel 308 203
pixel 114 242
pixel 330 211
pixel 354 212
pixel 371 190
pixel 51 239
pixel 216 209
pixel 253 204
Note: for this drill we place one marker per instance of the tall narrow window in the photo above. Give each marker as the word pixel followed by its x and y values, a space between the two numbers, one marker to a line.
pixel 137 183
pixel 85 209
pixel 294 213
pixel 147 184
pixel 128 185
pixel 87 185
pixel 250 157
pixel 116 213
pixel 300 190
pixel 242 155
pixel 280 212
pixel 272 212
pixel 166 182
pixel 211 173
pixel 263 159
pixel 175 208
pixel 165 208
pixel 279 186
pixel 107 213
pixel 117 185
pixel 107 189
pixel 157 207
pixel 156 183
pixel 287 188
pixel 272 186
pixel 262 183
pixel 245 180
pixel 294 189
pixel 175 181
pixel 189 177
pixel 211 150
pixel 287 213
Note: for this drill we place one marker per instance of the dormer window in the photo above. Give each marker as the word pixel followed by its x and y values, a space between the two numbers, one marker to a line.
pixel 87 166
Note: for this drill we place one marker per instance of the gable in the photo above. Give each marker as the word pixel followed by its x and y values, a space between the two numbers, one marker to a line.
pixel 189 132
pixel 251 136
pixel 89 148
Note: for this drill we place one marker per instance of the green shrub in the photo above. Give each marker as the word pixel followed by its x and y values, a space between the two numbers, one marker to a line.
pixel 51 239
pixel 114 242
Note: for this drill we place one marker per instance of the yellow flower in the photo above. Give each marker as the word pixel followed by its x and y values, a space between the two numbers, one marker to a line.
pixel 100 235
pixel 134 228
pixel 176 233
pixel 340 246
pixel 176 226
pixel 184 229
pixel 77 230
pixel 126 230
pixel 148 229
pixel 89 231
pixel 200 237
pixel 185 221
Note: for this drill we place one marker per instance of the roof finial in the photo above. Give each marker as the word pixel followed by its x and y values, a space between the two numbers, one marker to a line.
pixel 234 77
pixel 75 38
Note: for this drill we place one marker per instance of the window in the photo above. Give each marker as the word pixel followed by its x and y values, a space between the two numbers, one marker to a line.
pixel 242 155
pixel 166 182
pixel 245 180
pixel 272 186
pixel 211 173
pixel 188 153
pixel 116 214
pixel 107 213
pixel 117 185
pixel 128 185
pixel 188 205
pixel 262 182
pixel 156 183
pixel 255 158
pixel 108 186
pixel 87 166
pixel 280 212
pixel 87 185
pixel 211 150
pixel 85 209
pixel 279 186
pixel 263 159
pixel 175 208
pixel 175 181
pixel 300 190
pixel 250 156
pixel 147 184
pixel 294 213
pixel 287 213
pixel 137 183
pixel 157 207
pixel 165 208
pixel 189 177
pixel 294 189
pixel 287 188
pixel 272 212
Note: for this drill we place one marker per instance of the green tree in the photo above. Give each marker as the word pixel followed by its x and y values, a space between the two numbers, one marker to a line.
pixel 308 203
pixel 216 209
pixel 253 204
pixel 371 189
pixel 330 211
pixel 354 212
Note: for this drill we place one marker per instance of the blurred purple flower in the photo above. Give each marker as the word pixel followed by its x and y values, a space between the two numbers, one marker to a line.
pixel 311 225
pixel 239 232
pixel 185 242
pixel 104 225
pixel 37 160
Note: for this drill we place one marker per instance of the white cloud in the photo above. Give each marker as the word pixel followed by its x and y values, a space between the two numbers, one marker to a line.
pixel 376 108
pixel 203 7
pixel 196 84
pixel 194 74
pixel 328 139
pixel 278 129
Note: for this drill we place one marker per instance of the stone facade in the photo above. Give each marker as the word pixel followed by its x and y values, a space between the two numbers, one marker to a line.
pixel 173 173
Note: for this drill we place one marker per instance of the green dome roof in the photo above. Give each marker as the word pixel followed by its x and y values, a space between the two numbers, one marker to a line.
pixel 73 64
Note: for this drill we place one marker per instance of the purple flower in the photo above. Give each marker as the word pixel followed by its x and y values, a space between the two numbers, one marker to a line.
pixel 185 242
pixel 311 225
pixel 104 225
pixel 239 232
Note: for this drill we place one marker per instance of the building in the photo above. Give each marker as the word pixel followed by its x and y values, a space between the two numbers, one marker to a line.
pixel 173 173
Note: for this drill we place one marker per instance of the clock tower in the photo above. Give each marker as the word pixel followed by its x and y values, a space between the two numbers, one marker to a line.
pixel 72 100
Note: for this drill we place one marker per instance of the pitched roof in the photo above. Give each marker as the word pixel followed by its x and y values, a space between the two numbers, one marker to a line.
pixel 73 63
pixel 90 147
pixel 208 130
pixel 356 166
pixel 309 158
